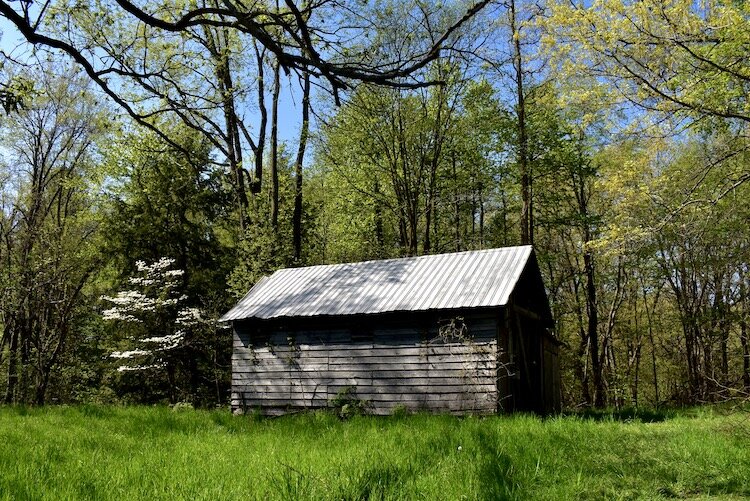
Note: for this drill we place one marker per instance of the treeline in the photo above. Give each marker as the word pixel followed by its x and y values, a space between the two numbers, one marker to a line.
pixel 621 154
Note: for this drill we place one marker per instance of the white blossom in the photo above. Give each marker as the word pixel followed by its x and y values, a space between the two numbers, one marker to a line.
pixel 127 368
pixel 129 354
pixel 117 314
pixel 141 281
pixel 156 293
pixel 168 342
pixel 154 267
pixel 189 316
pixel 124 297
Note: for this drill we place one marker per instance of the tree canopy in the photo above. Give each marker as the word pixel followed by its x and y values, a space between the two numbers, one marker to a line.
pixel 144 138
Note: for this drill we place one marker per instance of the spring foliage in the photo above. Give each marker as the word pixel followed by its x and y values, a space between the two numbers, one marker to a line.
pixel 154 313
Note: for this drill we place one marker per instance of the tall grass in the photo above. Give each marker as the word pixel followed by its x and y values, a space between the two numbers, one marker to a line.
pixel 155 453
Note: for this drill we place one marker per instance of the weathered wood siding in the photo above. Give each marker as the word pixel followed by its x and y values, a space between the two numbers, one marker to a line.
pixel 281 368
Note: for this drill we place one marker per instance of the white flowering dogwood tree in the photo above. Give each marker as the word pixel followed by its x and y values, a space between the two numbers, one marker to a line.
pixel 156 321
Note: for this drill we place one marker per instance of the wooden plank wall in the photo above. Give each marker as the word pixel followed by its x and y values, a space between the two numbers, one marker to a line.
pixel 389 365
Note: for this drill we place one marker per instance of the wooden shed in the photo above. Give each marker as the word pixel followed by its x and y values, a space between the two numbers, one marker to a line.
pixel 467 332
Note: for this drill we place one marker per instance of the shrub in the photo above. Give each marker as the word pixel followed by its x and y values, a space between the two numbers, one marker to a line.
pixel 347 404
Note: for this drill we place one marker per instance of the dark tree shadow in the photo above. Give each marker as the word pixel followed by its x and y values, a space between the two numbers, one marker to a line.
pixel 625 415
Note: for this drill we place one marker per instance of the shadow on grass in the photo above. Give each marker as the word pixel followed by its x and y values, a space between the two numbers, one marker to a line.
pixel 379 481
pixel 97 411
pixel 19 409
pixel 725 487
pixel 629 414
pixel 375 481
pixel 496 475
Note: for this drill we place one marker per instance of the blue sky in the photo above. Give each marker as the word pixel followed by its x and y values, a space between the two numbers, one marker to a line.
pixel 290 109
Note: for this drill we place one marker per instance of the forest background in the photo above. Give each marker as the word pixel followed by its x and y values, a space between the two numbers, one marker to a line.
pixel 149 176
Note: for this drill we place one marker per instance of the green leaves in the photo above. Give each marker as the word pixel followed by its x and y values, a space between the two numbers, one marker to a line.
pixel 672 57
pixel 16 93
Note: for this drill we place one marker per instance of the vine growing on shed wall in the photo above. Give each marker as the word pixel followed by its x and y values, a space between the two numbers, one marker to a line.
pixel 454 332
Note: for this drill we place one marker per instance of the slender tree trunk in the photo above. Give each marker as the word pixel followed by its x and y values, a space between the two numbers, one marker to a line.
pixel 19 338
pixel 582 354
pixel 172 383
pixel 456 202
pixel 261 143
pixel 216 372
pixel 40 391
pixel 634 354
pixel 720 326
pixel 194 375
pixel 744 341
pixel 745 355
pixel 25 366
pixel 435 227
pixel 650 320
pixel 429 214
pixel 402 233
pixel 379 233
pixel 592 331
pixel 582 367
pixel 473 214
pixel 297 218
pixel 413 232
pixel 217 46
pixel 725 326
pixel 708 376
pixel 523 154
pixel 725 354
pixel 503 215
pixel 637 373
pixel 690 358
pixel 437 150
pixel 480 189
pixel 275 147
pixel 10 389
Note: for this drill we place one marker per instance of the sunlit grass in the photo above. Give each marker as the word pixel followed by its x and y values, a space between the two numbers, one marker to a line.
pixel 155 453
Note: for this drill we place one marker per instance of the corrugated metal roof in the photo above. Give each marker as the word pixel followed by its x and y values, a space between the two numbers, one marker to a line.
pixel 469 279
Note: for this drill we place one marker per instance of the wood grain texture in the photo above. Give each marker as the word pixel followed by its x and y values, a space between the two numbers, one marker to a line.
pixel 418 366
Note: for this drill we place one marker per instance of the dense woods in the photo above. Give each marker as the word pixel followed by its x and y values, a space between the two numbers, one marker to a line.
pixel 152 169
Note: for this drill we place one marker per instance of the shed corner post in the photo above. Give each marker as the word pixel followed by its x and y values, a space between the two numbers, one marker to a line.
pixel 503 354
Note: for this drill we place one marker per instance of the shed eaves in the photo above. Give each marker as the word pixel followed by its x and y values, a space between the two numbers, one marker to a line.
pixel 471 279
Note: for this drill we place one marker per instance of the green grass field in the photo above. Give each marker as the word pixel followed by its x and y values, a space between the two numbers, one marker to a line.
pixel 155 453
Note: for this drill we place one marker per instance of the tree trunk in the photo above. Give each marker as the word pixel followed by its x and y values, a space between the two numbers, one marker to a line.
pixel 745 355
pixel 437 150
pixel 456 202
pixel 10 389
pixel 582 367
pixel 261 143
pixel 582 354
pixel 480 190
pixel 523 154
pixel 650 320
pixel 592 331
pixel 744 341
pixel 634 354
pixel 297 218
pixel 275 147
pixel 40 392
pixel 379 232
pixel 222 70
pixel 171 383
pixel 503 215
